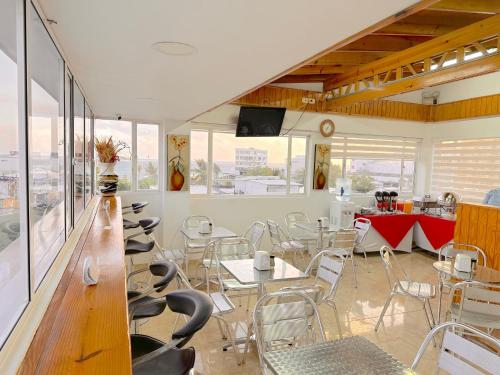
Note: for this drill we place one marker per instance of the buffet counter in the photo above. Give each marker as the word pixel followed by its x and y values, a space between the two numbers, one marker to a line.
pixel 399 230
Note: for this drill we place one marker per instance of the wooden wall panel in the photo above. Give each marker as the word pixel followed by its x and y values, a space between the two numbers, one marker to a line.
pixel 469 108
pixel 479 225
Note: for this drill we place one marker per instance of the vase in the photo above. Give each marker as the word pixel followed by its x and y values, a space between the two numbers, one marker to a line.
pixel 176 179
pixel 108 179
pixel 320 180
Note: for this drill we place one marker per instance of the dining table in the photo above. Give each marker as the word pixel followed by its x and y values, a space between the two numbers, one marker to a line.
pixel 320 231
pixel 479 273
pixel 348 356
pixel 217 233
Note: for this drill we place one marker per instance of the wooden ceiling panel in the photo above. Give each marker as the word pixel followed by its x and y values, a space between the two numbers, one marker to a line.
pixel 304 78
pixel 349 58
pixel 378 43
pixel 469 6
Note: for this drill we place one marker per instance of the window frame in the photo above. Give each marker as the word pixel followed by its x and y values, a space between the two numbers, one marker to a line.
pixel 402 160
pixel 288 167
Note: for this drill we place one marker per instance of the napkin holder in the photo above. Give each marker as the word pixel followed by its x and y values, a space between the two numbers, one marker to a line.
pixel 205 227
pixel 323 222
pixel 90 271
pixel 262 261
pixel 463 263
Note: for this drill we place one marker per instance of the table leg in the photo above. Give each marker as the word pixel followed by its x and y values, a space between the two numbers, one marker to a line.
pixel 440 290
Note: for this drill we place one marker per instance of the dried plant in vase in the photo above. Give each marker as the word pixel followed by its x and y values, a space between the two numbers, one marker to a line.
pixel 108 154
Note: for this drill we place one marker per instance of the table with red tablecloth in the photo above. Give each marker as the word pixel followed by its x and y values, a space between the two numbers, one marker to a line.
pixel 397 231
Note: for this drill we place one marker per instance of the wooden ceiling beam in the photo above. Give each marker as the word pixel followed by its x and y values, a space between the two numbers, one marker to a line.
pixel 403 28
pixel 469 6
pixel 320 69
pixel 378 43
pixel 458 38
pixel 352 58
pixel 303 78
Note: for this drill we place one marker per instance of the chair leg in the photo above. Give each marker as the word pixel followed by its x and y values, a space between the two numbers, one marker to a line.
pixel 248 298
pixel 337 318
pixel 386 306
pixel 355 279
pixel 429 322
pixel 433 321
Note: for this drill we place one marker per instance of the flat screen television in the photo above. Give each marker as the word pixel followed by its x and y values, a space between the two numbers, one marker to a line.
pixel 260 122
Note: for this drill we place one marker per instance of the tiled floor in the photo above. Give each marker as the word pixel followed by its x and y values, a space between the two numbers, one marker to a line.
pixel 401 333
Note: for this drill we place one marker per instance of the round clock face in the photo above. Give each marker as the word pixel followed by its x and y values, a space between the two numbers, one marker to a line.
pixel 327 128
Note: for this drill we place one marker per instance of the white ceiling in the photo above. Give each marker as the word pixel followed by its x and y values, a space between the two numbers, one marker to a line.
pixel 240 45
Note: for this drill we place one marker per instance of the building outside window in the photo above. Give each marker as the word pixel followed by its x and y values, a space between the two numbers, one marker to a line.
pixel 247 166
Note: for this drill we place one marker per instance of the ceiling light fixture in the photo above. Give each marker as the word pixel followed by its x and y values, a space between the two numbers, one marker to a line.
pixel 174 48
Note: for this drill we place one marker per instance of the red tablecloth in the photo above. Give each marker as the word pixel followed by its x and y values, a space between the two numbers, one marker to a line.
pixel 438 231
pixel 394 228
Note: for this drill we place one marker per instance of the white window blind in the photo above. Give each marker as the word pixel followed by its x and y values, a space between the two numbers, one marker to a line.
pixel 356 147
pixel 468 167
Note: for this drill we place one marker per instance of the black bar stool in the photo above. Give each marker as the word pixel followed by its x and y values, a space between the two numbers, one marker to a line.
pixel 152 356
pixel 135 208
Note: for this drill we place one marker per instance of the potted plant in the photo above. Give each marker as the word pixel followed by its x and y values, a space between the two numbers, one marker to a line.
pixel 107 153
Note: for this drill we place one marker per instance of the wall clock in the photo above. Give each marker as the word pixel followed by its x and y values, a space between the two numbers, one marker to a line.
pixel 327 128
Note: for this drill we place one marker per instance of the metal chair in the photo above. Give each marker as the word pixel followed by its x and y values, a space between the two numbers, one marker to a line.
pixel 448 252
pixel 142 305
pixel 342 245
pixel 222 306
pixel 330 267
pixel 152 356
pixel 174 251
pixel 193 246
pixel 254 234
pixel 135 208
pixel 362 226
pixel 401 285
pixel 297 234
pixel 281 243
pixel 459 355
pixel 282 325
pixel 477 304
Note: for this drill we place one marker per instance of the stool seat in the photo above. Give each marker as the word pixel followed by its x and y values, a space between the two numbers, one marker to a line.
pixel 173 362
pixel 137 247
pixel 129 224
pixel 146 307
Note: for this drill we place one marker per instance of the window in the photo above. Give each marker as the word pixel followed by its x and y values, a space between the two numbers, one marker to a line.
pixel 374 163
pixel 469 167
pixel 147 157
pixel 14 277
pixel 121 131
pixel 68 83
pixel 247 166
pixel 78 151
pixel 45 147
pixel 89 149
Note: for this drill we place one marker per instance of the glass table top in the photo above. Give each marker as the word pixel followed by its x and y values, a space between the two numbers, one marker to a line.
pixel 480 273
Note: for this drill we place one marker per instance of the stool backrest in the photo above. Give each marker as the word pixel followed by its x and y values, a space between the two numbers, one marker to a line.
pixel 149 224
pixel 166 270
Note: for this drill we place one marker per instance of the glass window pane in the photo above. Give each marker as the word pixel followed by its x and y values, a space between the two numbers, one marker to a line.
pixel 88 155
pixel 147 157
pixel 45 147
pixel 407 182
pixel 199 162
pixel 249 166
pixel 13 251
pixel 120 131
pixel 68 153
pixel 334 173
pixel 370 175
pixel 78 146
pixel 298 165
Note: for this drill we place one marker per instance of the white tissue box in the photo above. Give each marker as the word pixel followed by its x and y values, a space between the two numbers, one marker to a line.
pixel 262 261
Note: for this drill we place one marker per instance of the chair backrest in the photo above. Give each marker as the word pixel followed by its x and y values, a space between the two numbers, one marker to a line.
pixel 254 234
pixel 292 218
pixel 233 248
pixel 274 232
pixel 394 271
pixel 193 303
pixel 330 269
pixel 194 221
pixel 479 299
pixel 452 249
pixel 149 224
pixel 362 226
pixel 166 270
pixel 458 354
pixel 345 239
pixel 278 325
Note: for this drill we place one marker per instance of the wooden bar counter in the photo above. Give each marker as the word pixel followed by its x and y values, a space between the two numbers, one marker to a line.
pixel 85 330
pixel 479 224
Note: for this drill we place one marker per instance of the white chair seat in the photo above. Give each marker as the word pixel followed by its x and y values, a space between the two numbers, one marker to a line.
pixel 235 284
pixel 417 289
pixel 292 245
pixel 172 254
pixel 340 252
pixel 222 304
pixel 475 318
